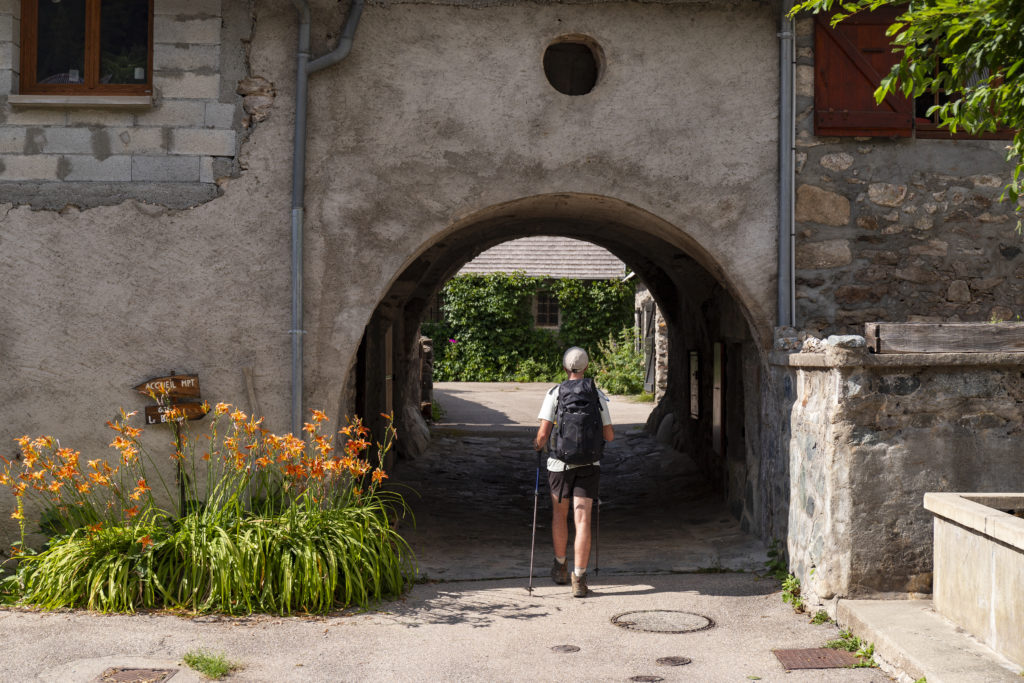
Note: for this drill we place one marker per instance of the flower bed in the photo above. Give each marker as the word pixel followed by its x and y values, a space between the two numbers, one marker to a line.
pixel 257 522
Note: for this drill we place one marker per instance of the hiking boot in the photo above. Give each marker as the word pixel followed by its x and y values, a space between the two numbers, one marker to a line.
pixel 579 585
pixel 560 573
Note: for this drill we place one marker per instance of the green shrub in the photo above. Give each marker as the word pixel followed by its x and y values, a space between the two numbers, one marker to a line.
pixel 283 523
pixel 619 368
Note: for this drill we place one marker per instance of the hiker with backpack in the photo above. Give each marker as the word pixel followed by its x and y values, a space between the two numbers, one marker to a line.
pixel 576 412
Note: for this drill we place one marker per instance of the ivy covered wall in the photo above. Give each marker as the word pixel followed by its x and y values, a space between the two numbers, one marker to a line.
pixel 488 332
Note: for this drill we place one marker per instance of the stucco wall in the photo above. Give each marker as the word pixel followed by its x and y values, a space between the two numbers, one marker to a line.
pixel 454 114
pixel 439 112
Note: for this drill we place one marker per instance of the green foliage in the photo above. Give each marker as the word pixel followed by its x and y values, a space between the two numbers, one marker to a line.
pixel 593 310
pixel 619 368
pixel 864 651
pixel 283 523
pixel 821 617
pixel 488 332
pixel 791 593
pixel 209 664
pixel 975 49
pixel 776 565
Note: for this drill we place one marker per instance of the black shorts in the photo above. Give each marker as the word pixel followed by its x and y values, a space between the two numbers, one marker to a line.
pixel 577 482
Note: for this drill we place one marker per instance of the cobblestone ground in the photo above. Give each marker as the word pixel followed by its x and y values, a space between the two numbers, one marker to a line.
pixel 474 502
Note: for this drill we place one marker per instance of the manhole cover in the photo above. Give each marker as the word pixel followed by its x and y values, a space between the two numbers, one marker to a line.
pixel 565 648
pixel 816 658
pixel 663 621
pixel 119 675
pixel 647 679
pixel 674 661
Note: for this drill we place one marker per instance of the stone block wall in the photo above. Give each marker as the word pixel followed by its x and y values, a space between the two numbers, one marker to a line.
pixel 899 229
pixel 189 135
pixel 867 436
pixel 643 296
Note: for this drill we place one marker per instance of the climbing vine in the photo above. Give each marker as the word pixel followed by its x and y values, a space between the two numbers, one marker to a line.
pixel 488 332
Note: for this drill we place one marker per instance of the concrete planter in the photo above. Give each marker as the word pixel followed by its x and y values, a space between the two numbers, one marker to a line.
pixel 979 566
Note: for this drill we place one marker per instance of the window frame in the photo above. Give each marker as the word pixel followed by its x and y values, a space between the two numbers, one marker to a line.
pixel 552 302
pixel 91 85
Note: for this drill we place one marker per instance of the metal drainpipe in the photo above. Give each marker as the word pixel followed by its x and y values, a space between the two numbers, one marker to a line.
pixel 305 67
pixel 787 125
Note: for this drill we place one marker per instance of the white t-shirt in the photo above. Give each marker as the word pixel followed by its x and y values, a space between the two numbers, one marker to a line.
pixel 547 412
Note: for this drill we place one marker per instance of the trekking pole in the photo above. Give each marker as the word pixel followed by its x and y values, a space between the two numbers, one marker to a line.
pixel 597 534
pixel 533 539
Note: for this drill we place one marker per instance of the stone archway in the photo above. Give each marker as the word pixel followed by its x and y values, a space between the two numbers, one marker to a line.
pixel 706 318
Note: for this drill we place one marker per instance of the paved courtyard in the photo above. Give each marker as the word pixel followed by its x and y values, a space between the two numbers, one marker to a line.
pixel 475 489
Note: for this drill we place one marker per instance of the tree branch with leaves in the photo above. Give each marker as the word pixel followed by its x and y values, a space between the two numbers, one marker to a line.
pixel 973 50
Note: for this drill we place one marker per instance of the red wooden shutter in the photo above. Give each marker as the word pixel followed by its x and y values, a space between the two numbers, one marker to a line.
pixel 850 61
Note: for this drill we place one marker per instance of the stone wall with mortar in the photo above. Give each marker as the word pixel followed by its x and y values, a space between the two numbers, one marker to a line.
pixel 867 435
pixel 642 298
pixel 172 152
pixel 899 229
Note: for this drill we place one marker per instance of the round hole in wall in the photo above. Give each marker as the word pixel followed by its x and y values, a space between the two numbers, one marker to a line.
pixel 572 64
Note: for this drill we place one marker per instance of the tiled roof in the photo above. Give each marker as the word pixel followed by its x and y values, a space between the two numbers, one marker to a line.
pixel 548 256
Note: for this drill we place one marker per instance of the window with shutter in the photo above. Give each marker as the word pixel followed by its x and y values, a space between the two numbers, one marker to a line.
pixel 850 60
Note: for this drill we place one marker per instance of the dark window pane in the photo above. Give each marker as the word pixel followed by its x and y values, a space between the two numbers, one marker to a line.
pixel 124 37
pixel 61 42
pixel 547 310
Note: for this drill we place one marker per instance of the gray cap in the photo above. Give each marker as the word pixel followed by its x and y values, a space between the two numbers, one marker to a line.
pixel 575 359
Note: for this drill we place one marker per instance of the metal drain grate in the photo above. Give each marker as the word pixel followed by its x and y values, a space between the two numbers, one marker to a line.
pixel 646 679
pixel 816 658
pixel 674 661
pixel 125 675
pixel 663 621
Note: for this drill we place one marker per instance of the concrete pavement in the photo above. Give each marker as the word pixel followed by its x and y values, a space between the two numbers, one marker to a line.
pixel 669 551
pixel 462 631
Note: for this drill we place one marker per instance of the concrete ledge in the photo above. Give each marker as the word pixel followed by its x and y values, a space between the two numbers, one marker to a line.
pixel 981 512
pixel 911 637
pixel 77 101
pixel 841 358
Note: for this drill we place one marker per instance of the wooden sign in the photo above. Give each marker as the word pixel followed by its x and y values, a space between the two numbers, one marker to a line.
pixel 158 414
pixel 174 386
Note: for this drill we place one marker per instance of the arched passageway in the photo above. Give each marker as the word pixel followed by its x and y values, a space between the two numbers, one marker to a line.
pixel 711 404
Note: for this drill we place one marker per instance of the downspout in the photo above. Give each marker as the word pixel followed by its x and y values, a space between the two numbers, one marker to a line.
pixel 787 126
pixel 305 67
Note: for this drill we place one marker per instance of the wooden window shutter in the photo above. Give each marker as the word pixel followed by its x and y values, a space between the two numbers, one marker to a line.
pixel 850 61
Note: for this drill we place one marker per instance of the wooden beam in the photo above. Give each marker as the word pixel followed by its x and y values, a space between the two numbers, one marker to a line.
pixel 944 337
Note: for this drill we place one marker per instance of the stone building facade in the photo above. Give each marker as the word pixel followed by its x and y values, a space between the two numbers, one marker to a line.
pixel 155 233
pixel 899 228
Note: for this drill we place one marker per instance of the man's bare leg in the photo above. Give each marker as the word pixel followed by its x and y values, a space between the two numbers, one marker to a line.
pixel 559 525
pixel 582 508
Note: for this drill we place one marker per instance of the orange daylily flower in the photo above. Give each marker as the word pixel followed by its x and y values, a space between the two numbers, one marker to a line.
pixel 132 511
pixel 145 542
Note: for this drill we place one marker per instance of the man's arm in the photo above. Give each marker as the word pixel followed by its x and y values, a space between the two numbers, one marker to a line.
pixel 543 433
pixel 608 432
